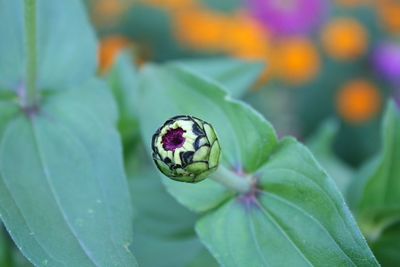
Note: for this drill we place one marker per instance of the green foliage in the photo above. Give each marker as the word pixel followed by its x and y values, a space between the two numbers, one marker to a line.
pixel 375 193
pixel 3 248
pixel 63 62
pixel 64 198
pixel 296 209
pixel 236 76
pixel 75 188
pixel 321 144
pixel 123 82
pixel 62 181
pixel 163 227
pixel 387 247
pixel 245 137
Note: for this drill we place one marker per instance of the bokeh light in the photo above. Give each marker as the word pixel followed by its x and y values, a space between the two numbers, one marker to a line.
pixel 358 101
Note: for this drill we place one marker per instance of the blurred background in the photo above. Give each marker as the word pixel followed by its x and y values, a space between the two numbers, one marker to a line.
pixel 337 59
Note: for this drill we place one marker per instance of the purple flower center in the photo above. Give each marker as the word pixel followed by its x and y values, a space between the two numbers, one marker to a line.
pixel 173 139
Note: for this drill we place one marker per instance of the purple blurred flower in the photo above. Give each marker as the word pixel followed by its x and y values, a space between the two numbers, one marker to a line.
pixel 386 61
pixel 286 17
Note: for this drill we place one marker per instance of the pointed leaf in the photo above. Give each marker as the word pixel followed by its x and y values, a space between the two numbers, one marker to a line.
pixel 321 144
pixel 236 76
pixel 246 138
pixel 297 218
pixel 63 185
pixel 376 191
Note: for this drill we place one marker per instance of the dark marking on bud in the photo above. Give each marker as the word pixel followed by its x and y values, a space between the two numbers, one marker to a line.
pixel 186 157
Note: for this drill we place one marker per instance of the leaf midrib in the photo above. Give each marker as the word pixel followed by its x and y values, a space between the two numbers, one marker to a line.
pixel 301 210
pixel 332 202
pixel 272 219
pixel 101 188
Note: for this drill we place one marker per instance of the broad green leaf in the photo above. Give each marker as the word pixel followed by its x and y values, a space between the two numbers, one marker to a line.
pixel 296 218
pixel 63 192
pixel 166 252
pixel 236 76
pixel 321 144
pixel 163 227
pixel 204 259
pixel 66 44
pixel 8 110
pixel 376 191
pixel 158 214
pixel 387 247
pixel 123 81
pixel 246 138
pixel 193 195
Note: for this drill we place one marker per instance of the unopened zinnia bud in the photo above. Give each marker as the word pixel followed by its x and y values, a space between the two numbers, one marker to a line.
pixel 186 149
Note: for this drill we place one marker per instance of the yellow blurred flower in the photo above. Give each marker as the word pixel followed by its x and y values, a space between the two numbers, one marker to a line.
pixel 110 48
pixel 358 101
pixel 345 39
pixel 389 14
pixel 296 60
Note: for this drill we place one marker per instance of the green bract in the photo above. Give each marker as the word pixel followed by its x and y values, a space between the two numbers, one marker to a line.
pixel 186 149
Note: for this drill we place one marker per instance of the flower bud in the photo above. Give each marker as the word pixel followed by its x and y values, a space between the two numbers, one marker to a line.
pixel 186 149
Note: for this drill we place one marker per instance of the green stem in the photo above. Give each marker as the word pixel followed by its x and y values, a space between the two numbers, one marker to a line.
pixel 30 34
pixel 241 184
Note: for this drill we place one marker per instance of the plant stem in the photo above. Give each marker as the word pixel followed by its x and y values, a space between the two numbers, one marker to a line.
pixel 241 184
pixel 30 45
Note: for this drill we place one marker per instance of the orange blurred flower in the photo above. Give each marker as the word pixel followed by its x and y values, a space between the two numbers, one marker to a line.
pixel 110 48
pixel 245 39
pixel 389 13
pixel 296 60
pixel 200 29
pixel 236 34
pixel 345 39
pixel 358 101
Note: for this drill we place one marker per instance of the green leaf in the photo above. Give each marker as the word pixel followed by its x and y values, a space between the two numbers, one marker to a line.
pixel 3 247
pixel 63 192
pixel 123 81
pixel 8 110
pixel 66 45
pixel 376 191
pixel 163 227
pixel 236 76
pixel 321 144
pixel 149 209
pixel 246 138
pixel 296 218
pixel 387 247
